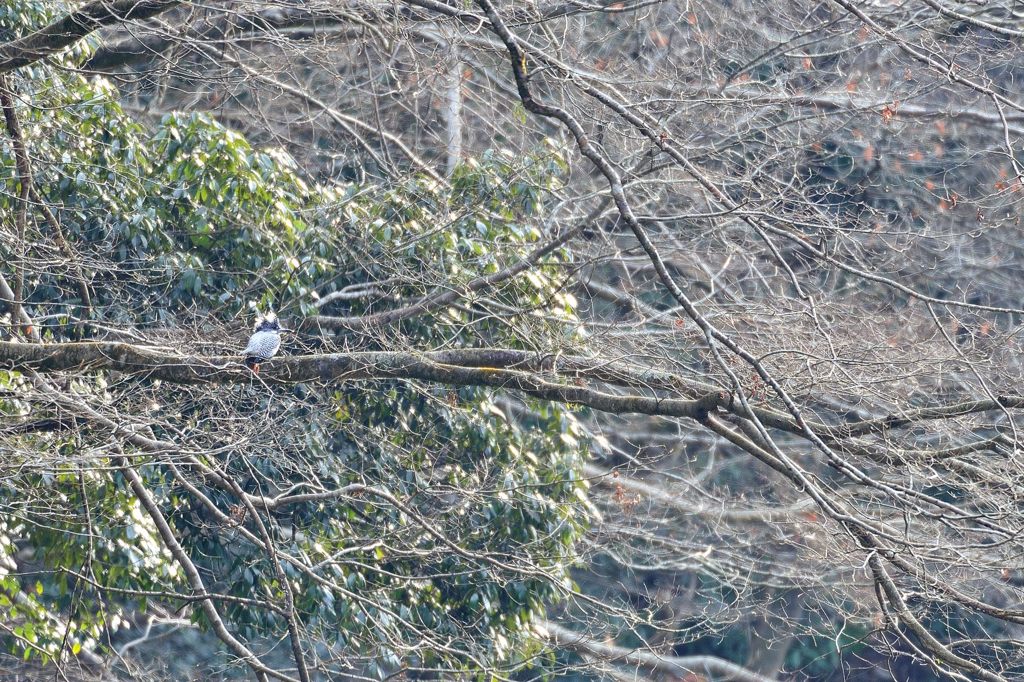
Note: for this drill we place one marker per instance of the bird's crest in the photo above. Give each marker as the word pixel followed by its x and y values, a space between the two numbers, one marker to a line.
pixel 266 322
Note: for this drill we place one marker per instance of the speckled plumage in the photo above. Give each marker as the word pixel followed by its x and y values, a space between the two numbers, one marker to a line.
pixel 264 343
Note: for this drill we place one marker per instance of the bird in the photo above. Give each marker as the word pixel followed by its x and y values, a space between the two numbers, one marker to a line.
pixel 264 342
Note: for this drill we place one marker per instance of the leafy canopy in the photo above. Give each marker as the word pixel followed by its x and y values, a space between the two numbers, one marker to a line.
pixel 186 223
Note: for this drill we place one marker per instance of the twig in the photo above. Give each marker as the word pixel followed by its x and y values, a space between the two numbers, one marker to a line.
pixel 677 666
pixel 24 170
pixel 29 192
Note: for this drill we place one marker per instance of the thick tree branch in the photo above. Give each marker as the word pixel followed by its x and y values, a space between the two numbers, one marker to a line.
pixel 497 367
pixel 211 30
pixel 471 367
pixel 68 30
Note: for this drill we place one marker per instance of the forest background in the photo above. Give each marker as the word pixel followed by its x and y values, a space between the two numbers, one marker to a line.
pixel 645 339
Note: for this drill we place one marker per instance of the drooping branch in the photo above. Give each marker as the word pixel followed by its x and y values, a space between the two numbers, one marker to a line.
pixel 715 338
pixel 294 631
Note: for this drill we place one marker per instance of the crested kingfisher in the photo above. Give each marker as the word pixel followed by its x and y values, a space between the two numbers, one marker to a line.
pixel 264 342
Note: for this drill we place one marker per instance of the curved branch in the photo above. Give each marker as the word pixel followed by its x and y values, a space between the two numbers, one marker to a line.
pixel 138 48
pixel 68 30
pixel 192 573
pixel 949 70
pixel 669 500
pixel 927 639
pixel 678 666
pixel 441 297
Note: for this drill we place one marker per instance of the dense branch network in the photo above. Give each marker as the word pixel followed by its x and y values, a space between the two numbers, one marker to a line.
pixel 785 284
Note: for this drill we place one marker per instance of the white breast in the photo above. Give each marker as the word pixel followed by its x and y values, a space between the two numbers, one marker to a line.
pixel 263 345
